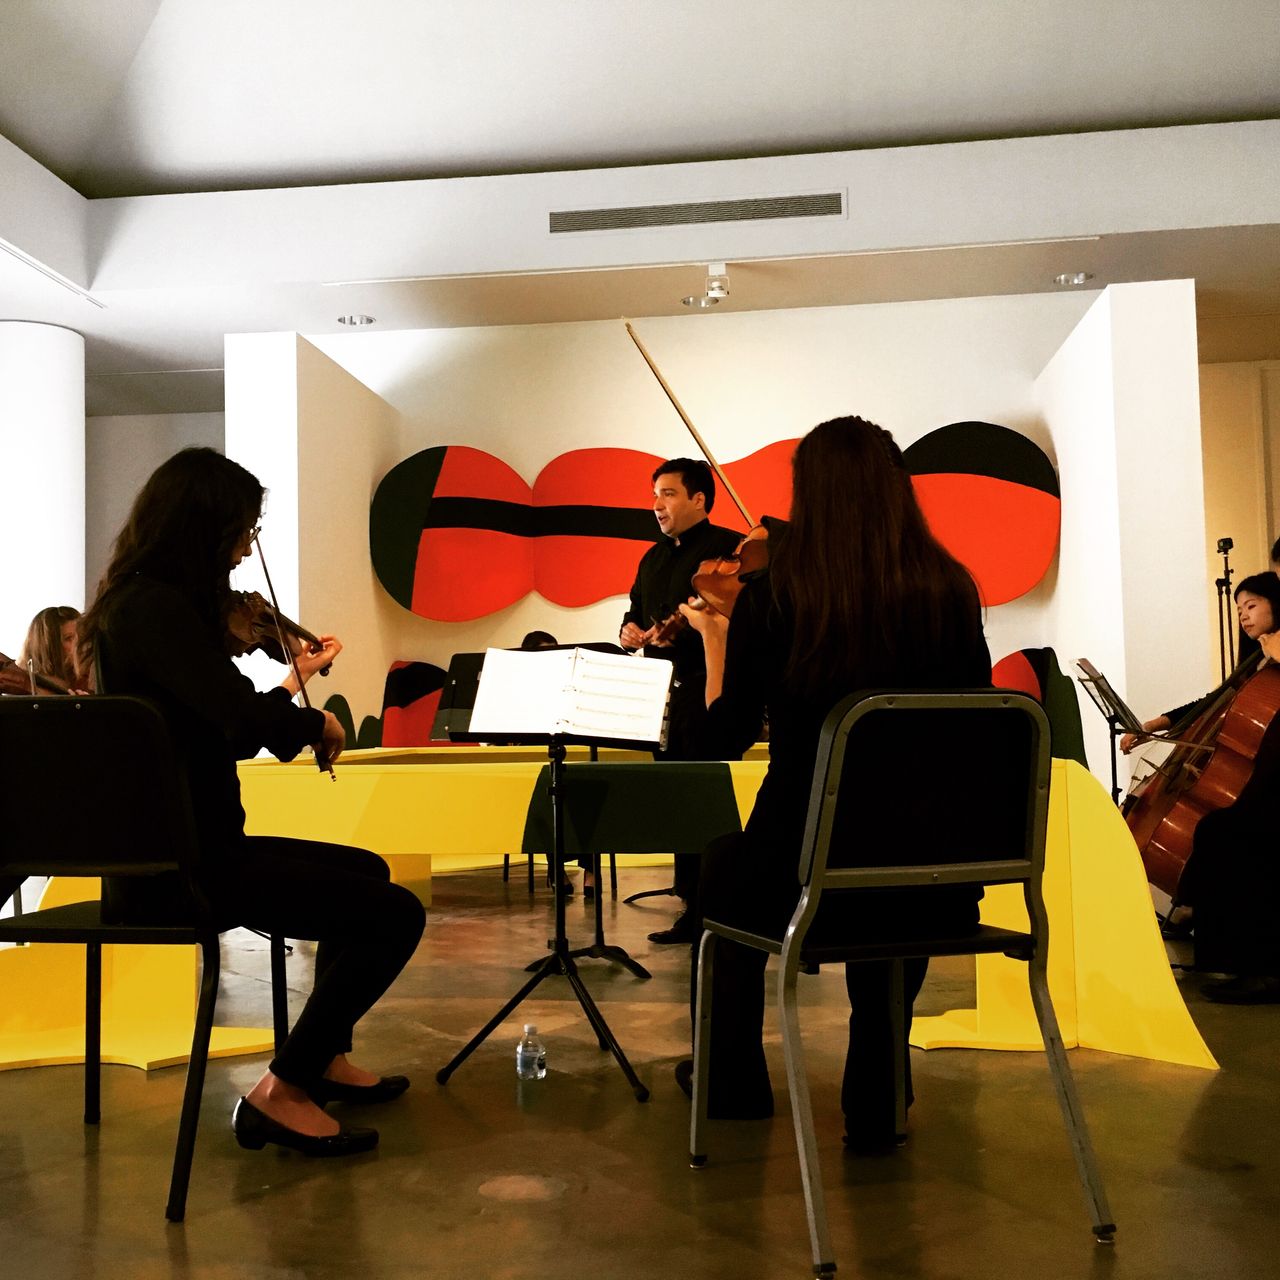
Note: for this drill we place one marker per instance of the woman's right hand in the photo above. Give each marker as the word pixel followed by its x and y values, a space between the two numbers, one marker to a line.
pixel 1131 740
pixel 333 738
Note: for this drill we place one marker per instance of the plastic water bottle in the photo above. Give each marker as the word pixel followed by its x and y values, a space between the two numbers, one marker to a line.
pixel 531 1055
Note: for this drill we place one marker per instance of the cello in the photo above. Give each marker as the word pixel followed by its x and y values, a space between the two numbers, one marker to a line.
pixel 1206 771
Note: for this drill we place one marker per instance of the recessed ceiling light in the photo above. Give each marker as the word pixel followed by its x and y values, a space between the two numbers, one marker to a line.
pixel 701 301
pixel 356 321
pixel 1072 277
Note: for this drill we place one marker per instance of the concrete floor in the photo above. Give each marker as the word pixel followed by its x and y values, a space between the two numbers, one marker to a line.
pixel 571 1177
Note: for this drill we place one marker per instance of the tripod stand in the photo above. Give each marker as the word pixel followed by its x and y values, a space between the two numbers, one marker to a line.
pixel 561 960
pixel 1226 636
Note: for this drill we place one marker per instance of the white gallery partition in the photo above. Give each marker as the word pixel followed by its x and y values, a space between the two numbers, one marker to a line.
pixel 1106 384
pixel 42 474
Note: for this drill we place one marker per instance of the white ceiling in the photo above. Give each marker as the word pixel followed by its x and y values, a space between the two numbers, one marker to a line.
pixel 141 97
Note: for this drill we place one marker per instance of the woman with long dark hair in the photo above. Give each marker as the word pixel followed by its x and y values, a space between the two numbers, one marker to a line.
pixel 158 630
pixel 858 595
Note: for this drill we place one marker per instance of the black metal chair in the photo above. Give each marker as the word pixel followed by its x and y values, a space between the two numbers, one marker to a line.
pixel 979 816
pixel 91 788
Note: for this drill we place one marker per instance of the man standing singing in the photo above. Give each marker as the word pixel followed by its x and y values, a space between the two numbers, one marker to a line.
pixel 684 491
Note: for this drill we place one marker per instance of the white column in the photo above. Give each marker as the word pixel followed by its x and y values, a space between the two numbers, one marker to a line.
pixel 41 474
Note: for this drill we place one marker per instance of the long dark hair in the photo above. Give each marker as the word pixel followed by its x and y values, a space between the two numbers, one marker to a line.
pixel 43 645
pixel 185 525
pixel 871 590
pixel 1266 585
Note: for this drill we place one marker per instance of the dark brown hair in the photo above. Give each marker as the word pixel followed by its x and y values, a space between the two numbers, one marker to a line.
pixel 694 474
pixel 43 645
pixel 183 529
pixel 872 592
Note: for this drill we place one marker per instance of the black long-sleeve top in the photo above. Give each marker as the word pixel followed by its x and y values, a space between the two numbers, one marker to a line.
pixel 758 646
pixel 156 645
pixel 664 581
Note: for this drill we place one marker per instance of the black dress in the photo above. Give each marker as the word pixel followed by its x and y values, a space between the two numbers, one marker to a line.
pixel 1232 879
pixel 752 879
pixel 155 643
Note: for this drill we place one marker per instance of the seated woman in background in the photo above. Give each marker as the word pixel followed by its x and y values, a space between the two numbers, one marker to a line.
pixel 1258 610
pixel 50 646
pixel 858 595
pixel 158 629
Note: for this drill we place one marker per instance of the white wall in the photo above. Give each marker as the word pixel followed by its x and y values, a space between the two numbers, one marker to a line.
pixel 120 453
pixel 530 393
pixel 1121 401
pixel 42 483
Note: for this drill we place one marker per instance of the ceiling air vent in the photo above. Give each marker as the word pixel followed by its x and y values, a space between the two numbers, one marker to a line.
pixel 823 205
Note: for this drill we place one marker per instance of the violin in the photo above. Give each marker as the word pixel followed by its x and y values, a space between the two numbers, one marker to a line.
pixel 254 623
pixel 717 582
pixel 284 645
pixel 1207 770
pixel 14 679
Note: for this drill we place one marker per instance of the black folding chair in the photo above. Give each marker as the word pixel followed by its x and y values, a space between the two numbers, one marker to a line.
pixel 91 788
pixel 978 816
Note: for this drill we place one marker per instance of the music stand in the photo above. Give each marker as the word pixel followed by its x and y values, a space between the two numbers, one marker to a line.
pixel 1120 719
pixel 561 959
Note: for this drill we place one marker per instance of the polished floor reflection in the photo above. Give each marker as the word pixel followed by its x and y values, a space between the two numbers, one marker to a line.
pixel 570 1176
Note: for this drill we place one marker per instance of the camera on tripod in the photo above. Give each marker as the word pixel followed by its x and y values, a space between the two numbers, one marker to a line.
pixel 1224 545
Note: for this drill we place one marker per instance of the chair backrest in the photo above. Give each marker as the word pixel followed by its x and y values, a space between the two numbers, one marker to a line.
pixel 936 788
pixel 90 786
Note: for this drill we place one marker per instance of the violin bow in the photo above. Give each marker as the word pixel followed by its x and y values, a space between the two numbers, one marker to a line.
pixel 693 431
pixel 322 756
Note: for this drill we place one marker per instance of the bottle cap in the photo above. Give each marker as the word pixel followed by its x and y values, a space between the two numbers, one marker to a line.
pixel 530 1029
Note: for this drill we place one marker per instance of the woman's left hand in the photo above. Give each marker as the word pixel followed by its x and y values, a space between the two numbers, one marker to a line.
pixel 709 623
pixel 310 660
pixel 1271 645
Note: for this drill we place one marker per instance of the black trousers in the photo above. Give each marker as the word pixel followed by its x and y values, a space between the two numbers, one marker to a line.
pixel 747 885
pixel 341 898
pixel 1232 883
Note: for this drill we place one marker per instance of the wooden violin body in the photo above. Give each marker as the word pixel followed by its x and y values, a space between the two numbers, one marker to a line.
pixel 1198 778
pixel 718 582
pixel 253 623
pixel 14 679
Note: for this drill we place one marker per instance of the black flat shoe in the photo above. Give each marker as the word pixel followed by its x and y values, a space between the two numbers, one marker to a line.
pixel 1246 990
pixel 758 1108
pixel 875 1143
pixel 386 1090
pixel 683 930
pixel 254 1130
pixel 588 893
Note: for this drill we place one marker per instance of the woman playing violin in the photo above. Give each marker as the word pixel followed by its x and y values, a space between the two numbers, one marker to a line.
pixel 50 646
pixel 858 594
pixel 158 631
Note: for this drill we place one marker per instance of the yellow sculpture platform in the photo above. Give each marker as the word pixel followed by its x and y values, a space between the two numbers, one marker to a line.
pixel 425 808
pixel 148 1002
pixel 1109 972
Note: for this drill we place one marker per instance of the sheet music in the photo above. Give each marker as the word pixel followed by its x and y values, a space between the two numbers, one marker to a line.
pixel 572 691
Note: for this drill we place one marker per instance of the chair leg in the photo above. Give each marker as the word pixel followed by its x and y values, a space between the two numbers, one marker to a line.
pixel 701 1052
pixel 279 992
pixel 802 1117
pixel 1072 1114
pixel 613 875
pixel 506 867
pixel 529 866
pixel 897 999
pixel 176 1209
pixel 92 1032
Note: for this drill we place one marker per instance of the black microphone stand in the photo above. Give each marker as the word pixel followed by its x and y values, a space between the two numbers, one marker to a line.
pixel 1226 634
